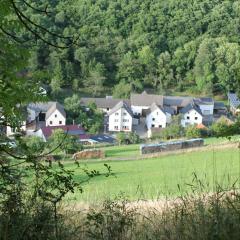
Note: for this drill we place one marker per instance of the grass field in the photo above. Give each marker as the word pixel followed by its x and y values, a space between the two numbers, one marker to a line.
pixel 158 177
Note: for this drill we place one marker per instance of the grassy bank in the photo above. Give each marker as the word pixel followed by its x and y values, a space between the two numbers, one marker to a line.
pixel 157 177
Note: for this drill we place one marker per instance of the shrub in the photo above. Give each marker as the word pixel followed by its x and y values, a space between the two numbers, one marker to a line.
pixel 121 138
pixel 192 132
pixel 133 138
pixel 65 143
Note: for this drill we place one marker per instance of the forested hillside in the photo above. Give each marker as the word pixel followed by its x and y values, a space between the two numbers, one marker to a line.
pixel 133 44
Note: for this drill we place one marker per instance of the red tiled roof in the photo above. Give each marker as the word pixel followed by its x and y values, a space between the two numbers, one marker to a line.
pixel 201 126
pixel 75 130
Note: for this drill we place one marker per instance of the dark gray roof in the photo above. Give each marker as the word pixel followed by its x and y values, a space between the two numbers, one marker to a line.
pixel 203 101
pixel 234 100
pixel 219 106
pixel 146 100
pixel 190 107
pixel 121 104
pixel 55 106
pixel 40 107
pixel 102 102
pixel 169 110
pixel 102 138
pixel 47 107
pixel 177 101
pixel 164 109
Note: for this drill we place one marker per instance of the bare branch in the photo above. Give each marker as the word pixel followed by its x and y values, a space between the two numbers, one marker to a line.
pixel 36 9
pixel 24 20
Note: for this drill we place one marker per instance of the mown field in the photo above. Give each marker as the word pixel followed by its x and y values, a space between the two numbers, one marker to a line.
pixel 171 175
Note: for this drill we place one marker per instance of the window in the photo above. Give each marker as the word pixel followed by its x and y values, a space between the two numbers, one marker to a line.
pixel 196 118
pixel 116 114
pixel 153 119
pixel 125 120
pixel 124 113
pixel 60 122
pixel 50 123
pixel 55 115
pixel 206 112
pixel 188 117
pixel 41 117
pixel 125 128
pixel 116 120
pixel 115 127
pixel 153 125
pixel 157 113
pixel 107 109
pixel 160 126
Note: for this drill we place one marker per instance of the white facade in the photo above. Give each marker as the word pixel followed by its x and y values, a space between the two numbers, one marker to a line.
pixel 206 109
pixel 157 119
pixel 11 131
pixel 191 117
pixel 120 120
pixel 137 110
pixel 56 119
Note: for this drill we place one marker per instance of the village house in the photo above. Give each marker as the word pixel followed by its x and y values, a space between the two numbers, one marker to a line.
pixel 156 111
pixel 192 115
pixel 45 114
pixel 120 118
pixel 104 104
pixel 73 130
pixel 140 103
pixel 157 117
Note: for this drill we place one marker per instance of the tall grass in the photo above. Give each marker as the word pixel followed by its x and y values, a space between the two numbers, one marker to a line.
pixel 205 216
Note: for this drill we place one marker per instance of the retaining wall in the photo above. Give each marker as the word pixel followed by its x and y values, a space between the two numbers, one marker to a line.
pixel 171 146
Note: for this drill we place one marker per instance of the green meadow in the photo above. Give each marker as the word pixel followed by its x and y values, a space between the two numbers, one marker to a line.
pixel 171 175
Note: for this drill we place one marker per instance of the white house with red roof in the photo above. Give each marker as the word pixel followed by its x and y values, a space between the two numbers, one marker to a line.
pixel 73 130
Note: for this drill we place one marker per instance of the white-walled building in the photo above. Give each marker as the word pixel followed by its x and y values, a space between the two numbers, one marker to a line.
pixel 45 114
pixel 142 102
pixel 120 118
pixel 206 105
pixel 191 115
pixel 56 116
pixel 10 131
pixel 104 104
pixel 157 117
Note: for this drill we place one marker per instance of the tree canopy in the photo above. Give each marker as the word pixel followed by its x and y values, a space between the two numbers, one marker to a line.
pixel 174 44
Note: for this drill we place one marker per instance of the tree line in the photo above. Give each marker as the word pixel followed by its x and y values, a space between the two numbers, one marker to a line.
pixel 130 45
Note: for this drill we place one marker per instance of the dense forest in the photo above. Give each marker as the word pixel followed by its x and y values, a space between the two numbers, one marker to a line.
pixel 128 45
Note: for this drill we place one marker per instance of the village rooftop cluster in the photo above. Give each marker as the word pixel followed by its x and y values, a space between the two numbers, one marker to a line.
pixel 143 114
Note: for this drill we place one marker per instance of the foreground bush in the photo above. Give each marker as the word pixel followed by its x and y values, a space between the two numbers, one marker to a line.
pixel 210 216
